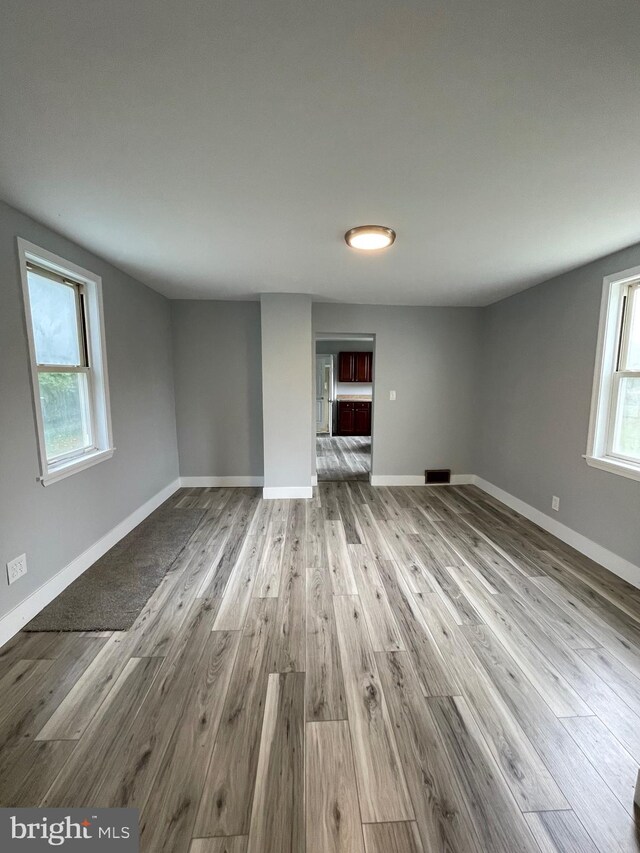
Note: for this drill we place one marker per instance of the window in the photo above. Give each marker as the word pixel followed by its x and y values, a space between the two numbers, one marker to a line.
pixel 63 310
pixel 614 433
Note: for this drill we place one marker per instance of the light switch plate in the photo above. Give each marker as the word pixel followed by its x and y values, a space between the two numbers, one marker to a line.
pixel 16 568
pixel 392 395
pixel 555 503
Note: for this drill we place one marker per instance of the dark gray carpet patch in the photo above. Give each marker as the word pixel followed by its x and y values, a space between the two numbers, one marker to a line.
pixel 111 593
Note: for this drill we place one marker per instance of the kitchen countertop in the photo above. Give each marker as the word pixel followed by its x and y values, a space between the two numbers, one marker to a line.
pixel 356 398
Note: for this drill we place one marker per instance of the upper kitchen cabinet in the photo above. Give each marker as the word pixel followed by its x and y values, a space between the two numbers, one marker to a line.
pixel 355 367
pixel 364 366
pixel 346 367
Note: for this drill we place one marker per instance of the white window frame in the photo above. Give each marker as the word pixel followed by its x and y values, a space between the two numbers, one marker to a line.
pixel 607 377
pixel 97 374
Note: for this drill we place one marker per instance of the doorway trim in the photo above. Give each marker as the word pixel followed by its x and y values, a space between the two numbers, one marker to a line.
pixel 369 337
pixel 327 396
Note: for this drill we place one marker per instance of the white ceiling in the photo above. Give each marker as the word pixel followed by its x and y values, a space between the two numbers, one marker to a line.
pixel 221 149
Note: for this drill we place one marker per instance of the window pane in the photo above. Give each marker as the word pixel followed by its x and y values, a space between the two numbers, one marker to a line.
pixel 633 357
pixel 65 411
pixel 627 430
pixel 54 318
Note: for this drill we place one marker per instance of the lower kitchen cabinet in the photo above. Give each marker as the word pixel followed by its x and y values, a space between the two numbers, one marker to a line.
pixel 354 417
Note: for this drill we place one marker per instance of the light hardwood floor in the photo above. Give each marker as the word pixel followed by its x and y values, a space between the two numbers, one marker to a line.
pixel 342 457
pixel 392 670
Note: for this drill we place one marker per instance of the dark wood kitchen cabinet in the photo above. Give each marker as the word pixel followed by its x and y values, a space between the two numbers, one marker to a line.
pixel 354 417
pixel 345 418
pixel 362 419
pixel 346 366
pixel 364 366
pixel 355 367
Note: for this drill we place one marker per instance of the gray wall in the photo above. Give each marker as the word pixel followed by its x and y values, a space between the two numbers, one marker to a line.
pixel 217 369
pixel 287 390
pixel 428 356
pixel 53 525
pixel 334 347
pixel 538 361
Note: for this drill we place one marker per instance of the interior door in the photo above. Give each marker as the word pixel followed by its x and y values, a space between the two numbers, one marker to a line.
pixel 324 385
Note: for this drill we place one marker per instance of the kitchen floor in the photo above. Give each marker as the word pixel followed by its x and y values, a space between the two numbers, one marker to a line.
pixel 343 457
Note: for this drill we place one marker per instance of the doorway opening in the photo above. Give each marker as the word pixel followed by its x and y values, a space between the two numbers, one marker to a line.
pixel 344 382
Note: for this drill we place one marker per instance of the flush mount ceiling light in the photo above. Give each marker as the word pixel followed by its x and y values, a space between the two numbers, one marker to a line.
pixel 370 237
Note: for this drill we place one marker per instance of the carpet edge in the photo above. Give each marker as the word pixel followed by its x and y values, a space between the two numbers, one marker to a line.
pixel 31 605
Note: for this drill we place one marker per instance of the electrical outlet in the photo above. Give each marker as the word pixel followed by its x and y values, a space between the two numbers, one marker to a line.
pixel 555 503
pixel 392 395
pixel 16 568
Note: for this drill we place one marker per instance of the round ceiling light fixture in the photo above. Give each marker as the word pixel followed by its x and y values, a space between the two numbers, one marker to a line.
pixel 370 237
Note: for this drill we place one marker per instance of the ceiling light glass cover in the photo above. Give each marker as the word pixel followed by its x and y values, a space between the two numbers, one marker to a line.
pixel 370 237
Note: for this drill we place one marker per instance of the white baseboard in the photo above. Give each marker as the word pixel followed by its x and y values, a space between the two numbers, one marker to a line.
pixel 231 482
pixel 417 480
pixel 616 564
pixel 32 605
pixel 278 492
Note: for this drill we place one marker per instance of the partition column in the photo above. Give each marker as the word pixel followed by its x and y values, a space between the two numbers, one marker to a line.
pixel 287 401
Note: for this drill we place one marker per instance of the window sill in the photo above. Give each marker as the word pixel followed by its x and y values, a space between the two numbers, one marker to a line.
pixel 614 466
pixel 73 466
